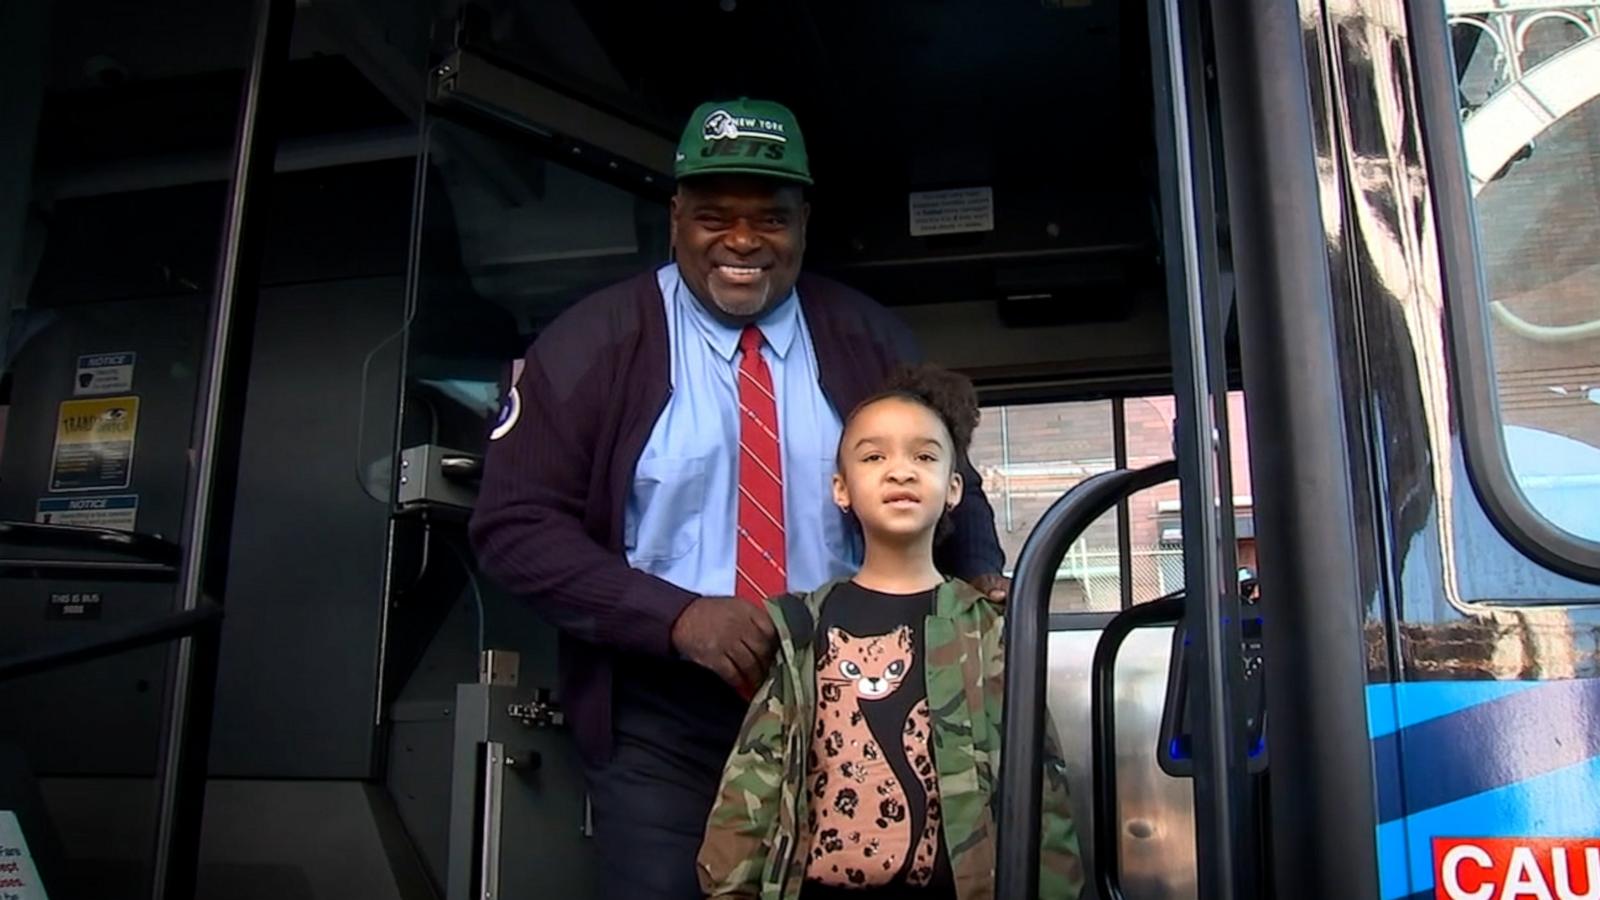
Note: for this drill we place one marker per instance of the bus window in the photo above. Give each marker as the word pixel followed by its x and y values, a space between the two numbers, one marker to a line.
pixel 1156 515
pixel 1031 454
pixel 1528 91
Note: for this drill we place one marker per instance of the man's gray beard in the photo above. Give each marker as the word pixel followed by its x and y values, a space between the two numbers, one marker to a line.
pixel 740 311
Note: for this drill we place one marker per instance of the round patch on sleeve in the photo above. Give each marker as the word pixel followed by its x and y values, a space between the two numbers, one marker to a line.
pixel 510 411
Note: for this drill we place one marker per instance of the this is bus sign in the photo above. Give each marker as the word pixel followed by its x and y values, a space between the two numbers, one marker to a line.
pixel 1516 868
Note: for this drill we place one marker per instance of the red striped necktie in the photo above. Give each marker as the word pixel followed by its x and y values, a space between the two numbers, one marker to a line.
pixel 760 560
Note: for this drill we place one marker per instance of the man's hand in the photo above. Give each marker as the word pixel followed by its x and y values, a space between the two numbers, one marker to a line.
pixel 733 638
pixel 996 587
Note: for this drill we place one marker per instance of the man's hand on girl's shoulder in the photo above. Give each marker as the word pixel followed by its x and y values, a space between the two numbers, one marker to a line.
pixel 996 587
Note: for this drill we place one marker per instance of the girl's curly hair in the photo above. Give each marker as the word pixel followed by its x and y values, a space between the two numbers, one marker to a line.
pixel 948 395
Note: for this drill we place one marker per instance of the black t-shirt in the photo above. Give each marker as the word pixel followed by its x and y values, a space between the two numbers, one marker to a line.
pixel 866 664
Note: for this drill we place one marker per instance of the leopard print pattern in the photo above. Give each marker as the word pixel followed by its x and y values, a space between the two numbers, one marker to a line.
pixel 859 823
pixel 920 755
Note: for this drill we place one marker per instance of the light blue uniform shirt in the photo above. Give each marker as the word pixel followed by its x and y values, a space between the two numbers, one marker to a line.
pixel 681 517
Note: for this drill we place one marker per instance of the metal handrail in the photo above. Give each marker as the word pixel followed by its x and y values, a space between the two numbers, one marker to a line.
pixel 125 637
pixel 1107 863
pixel 146 547
pixel 1027 625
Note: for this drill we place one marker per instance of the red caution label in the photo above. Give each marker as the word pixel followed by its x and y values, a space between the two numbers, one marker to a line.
pixel 1516 868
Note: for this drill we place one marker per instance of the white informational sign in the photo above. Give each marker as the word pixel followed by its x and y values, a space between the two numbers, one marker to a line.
pixel 956 211
pixel 19 880
pixel 120 512
pixel 104 373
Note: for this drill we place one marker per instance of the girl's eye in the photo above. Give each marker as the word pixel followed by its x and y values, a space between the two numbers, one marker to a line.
pixel 927 457
pixel 872 457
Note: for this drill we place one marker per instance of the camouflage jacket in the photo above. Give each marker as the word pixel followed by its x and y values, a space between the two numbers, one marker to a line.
pixel 755 845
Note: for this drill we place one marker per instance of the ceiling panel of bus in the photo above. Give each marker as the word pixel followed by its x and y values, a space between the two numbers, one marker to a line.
pixel 1042 102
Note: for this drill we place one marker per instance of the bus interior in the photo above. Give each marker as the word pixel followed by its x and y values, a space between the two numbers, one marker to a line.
pixel 345 706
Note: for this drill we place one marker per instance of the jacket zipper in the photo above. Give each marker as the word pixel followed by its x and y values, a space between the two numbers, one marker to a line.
pixel 799 750
pixel 790 843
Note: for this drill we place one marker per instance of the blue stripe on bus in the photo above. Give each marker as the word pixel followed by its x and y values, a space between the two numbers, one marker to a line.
pixel 1556 804
pixel 1391 707
pixel 1394 863
pixel 1480 759
pixel 1499 742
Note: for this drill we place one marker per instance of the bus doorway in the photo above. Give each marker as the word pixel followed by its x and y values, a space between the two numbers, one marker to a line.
pixel 491 165
pixel 1129 223
pixel 960 183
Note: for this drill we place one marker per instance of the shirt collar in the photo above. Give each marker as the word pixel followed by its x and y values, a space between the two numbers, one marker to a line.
pixel 778 326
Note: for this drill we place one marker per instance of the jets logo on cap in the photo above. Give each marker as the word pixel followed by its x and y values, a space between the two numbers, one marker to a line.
pixel 721 125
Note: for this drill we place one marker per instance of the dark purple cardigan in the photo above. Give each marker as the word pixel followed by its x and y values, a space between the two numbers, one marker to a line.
pixel 549 521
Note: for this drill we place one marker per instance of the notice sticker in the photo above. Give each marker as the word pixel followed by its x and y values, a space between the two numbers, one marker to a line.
pixel 120 512
pixel 104 373
pixel 959 211
pixel 19 880
pixel 94 444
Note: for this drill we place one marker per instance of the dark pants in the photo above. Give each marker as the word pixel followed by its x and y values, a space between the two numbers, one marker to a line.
pixel 673 725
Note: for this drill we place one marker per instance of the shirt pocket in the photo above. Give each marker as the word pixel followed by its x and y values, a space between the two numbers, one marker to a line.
pixel 671 495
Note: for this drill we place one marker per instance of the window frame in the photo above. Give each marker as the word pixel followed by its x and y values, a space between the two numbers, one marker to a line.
pixel 1466 310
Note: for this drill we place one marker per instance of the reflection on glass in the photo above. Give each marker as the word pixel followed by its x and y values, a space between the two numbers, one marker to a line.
pixel 1529 83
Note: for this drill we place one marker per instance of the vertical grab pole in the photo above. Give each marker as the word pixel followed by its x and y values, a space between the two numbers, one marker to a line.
pixel 1189 234
pixel 1027 628
pixel 218 423
pixel 1322 816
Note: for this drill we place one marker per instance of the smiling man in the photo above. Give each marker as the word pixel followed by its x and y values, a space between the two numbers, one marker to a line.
pixel 663 463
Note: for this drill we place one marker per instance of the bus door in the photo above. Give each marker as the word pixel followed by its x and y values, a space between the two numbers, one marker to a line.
pixel 1469 135
pixel 1266 714
pixel 194 424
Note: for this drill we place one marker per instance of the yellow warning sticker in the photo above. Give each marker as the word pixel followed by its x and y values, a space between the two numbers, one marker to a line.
pixel 94 444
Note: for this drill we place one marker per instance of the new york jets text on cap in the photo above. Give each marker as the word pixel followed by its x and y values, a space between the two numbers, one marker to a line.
pixel 744 136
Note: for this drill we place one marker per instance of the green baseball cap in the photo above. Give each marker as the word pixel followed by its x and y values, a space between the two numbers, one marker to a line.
pixel 746 137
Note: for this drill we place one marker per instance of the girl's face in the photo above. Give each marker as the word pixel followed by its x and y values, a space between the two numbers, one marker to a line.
pixel 896 469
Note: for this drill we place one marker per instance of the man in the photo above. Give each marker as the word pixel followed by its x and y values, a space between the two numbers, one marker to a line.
pixel 666 449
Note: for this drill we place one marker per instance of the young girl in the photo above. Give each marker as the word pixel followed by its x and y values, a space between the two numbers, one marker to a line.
pixel 867 763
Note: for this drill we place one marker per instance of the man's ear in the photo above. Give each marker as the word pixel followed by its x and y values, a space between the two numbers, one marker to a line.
pixel 672 222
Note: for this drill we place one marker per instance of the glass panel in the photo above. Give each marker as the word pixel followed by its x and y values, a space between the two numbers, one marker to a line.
pixel 1536 181
pixel 509 240
pixel 1029 456
pixel 119 123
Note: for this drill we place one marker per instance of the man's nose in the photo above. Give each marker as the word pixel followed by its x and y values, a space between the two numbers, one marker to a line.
pixel 741 238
